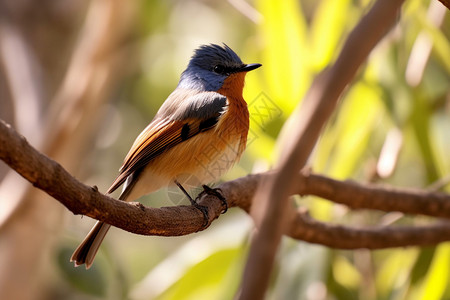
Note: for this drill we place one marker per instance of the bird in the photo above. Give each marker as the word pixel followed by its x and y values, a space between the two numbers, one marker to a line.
pixel 201 129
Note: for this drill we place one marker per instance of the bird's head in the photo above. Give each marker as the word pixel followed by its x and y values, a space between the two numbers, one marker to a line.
pixel 210 66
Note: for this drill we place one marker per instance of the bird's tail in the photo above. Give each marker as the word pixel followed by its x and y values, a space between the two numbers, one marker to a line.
pixel 85 253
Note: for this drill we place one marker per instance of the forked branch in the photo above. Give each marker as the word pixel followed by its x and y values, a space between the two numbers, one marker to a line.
pixel 51 177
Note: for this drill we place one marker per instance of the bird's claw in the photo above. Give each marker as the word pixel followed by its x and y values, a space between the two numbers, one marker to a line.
pixel 217 193
pixel 204 211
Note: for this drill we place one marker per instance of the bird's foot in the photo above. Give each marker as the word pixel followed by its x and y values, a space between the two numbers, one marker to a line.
pixel 194 203
pixel 217 193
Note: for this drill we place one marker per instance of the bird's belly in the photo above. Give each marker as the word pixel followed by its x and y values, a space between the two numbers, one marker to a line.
pixel 216 159
pixel 200 160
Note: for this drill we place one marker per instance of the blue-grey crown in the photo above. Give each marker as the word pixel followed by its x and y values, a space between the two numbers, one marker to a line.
pixel 207 56
pixel 201 72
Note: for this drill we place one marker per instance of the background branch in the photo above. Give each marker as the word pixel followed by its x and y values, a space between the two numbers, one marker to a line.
pixel 316 108
pixel 446 3
pixel 372 196
pixel 343 237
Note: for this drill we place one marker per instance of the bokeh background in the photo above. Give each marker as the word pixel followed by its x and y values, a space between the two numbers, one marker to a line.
pixel 80 79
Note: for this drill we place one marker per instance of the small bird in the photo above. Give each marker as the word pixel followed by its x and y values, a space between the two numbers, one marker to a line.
pixel 201 130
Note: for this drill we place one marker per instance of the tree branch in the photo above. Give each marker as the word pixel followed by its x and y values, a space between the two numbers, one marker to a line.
pixel 52 178
pixel 371 196
pixel 343 237
pixel 446 3
pixel 308 122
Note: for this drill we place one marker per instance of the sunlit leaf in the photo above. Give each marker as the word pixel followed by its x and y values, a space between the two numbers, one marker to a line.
pixel 205 279
pixel 440 127
pixel 420 120
pixel 394 271
pixel 437 278
pixel 284 53
pixel 359 115
pixel 345 273
pixel 328 24
pixel 344 143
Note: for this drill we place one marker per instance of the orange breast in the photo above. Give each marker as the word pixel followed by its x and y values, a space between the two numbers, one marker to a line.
pixel 235 123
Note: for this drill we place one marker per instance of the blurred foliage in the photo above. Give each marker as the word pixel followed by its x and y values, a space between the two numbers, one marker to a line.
pixel 294 40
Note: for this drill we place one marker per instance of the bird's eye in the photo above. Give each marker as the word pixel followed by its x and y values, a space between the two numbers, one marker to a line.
pixel 219 69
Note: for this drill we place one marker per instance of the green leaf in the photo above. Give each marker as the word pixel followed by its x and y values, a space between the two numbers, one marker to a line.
pixel 345 142
pixel 420 120
pixel 345 273
pixel 394 271
pixel 205 280
pixel 284 55
pixel 437 278
pixel 327 28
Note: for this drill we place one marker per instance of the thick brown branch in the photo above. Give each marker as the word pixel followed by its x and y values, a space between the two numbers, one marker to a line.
pixel 49 176
pixel 352 194
pixel 52 178
pixel 305 228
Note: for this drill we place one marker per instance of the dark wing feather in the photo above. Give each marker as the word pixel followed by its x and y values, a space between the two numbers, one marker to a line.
pixel 195 114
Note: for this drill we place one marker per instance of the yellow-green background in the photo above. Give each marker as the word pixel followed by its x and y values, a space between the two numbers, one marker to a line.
pixel 294 40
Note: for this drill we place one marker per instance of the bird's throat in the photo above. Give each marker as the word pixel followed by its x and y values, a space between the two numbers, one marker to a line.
pixel 233 86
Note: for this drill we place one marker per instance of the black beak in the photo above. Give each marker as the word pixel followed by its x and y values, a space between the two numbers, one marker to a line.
pixel 249 67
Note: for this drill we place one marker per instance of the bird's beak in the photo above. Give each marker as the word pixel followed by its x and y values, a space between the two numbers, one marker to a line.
pixel 249 67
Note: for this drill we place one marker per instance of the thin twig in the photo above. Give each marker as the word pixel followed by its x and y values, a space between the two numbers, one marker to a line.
pixel 247 10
